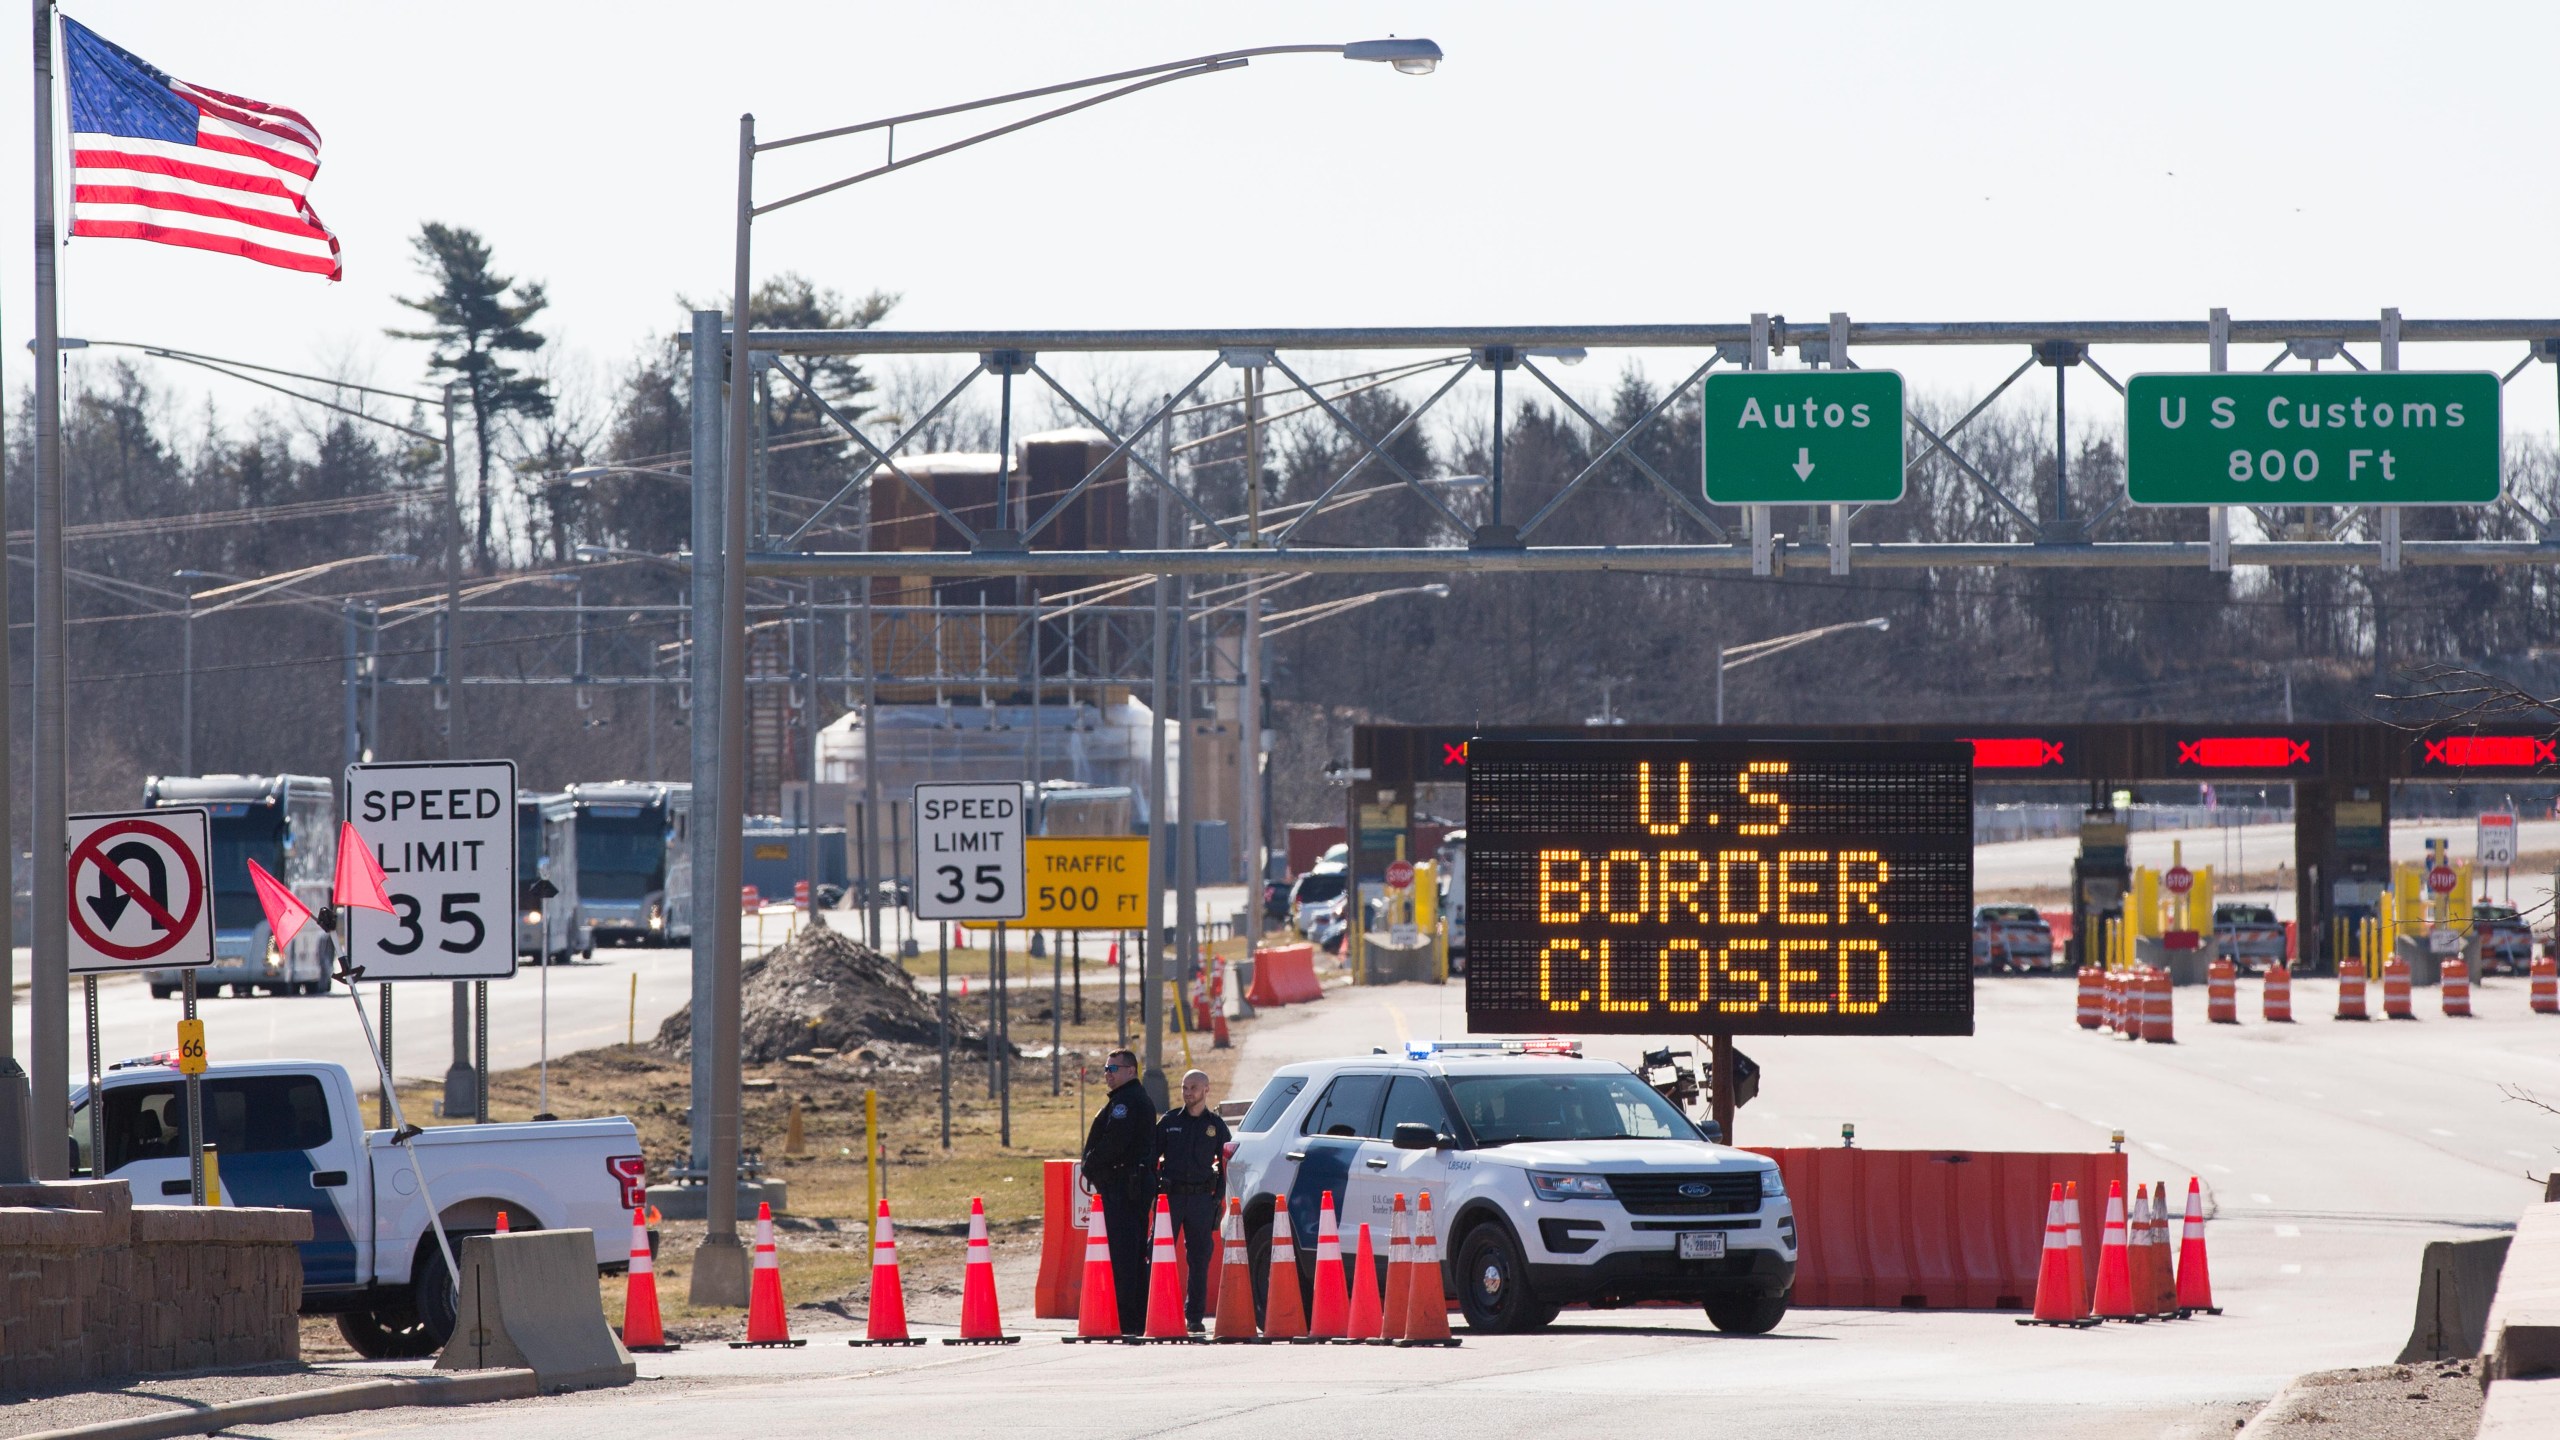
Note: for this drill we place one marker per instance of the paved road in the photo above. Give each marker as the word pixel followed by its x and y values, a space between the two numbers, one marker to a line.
pixel 2333 1153
pixel 592 1003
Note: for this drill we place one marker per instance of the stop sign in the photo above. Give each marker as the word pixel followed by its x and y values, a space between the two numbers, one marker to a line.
pixel 2440 880
pixel 2179 880
pixel 1399 874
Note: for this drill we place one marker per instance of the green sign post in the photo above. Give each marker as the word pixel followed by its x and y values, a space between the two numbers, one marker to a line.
pixel 2363 438
pixel 1803 437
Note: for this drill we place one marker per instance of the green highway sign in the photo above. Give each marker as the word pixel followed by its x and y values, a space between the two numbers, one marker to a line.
pixel 2399 437
pixel 1803 437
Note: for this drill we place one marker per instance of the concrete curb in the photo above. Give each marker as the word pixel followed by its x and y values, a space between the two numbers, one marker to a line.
pixel 473 1389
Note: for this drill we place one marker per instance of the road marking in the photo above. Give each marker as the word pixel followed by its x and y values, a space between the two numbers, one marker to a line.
pixel 2218 1169
pixel 2313 1095
pixel 2288 1232
pixel 2449 1135
pixel 2256 1199
pixel 2523 1154
pixel 2261 1080
pixel 2155 1147
pixel 2289 1269
pixel 2376 1114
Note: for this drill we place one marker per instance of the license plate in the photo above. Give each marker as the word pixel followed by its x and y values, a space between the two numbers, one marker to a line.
pixel 1701 1244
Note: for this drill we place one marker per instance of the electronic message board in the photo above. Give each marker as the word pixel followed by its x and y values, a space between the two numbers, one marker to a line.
pixel 1778 887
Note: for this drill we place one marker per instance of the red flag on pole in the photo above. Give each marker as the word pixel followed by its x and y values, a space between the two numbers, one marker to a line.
pixel 286 914
pixel 360 884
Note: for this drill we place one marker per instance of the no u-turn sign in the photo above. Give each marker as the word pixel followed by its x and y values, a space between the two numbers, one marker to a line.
pixel 139 896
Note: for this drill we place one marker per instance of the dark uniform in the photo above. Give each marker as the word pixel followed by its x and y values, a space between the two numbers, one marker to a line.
pixel 1191 1167
pixel 1119 1162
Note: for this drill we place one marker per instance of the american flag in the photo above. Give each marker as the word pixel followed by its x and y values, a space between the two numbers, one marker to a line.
pixel 154 158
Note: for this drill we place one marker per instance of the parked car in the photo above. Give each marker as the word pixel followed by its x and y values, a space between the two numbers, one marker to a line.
pixel 1318 887
pixel 2012 938
pixel 2249 936
pixel 291 1134
pixel 2502 940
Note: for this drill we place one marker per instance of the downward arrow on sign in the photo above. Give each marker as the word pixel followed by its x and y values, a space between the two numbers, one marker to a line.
pixel 1804 463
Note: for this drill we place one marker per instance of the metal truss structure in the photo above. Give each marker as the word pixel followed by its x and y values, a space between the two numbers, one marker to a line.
pixel 1509 542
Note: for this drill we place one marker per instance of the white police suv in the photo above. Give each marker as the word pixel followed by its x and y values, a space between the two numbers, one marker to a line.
pixel 1553 1179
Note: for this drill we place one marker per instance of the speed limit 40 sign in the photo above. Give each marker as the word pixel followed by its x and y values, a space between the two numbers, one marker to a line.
pixel 445 834
pixel 969 851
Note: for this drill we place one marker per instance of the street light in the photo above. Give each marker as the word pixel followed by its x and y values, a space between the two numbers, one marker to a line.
pixel 1734 657
pixel 1330 609
pixel 720 1268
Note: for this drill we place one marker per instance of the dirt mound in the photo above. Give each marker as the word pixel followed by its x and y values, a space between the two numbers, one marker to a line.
pixel 820 989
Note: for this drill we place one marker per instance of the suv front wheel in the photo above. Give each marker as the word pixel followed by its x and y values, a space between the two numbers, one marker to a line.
pixel 1747 1314
pixel 1493 1284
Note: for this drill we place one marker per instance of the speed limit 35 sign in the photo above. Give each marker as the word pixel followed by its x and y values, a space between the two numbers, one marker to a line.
pixel 445 834
pixel 969 851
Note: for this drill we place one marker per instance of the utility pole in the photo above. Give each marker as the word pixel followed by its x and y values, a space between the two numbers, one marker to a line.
pixel 1159 815
pixel 1249 698
pixel 709 633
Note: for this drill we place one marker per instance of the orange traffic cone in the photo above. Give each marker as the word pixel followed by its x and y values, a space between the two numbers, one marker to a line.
pixel 767 1326
pixel 640 1328
pixel 2079 1246
pixel 1399 1273
pixel 2056 1302
pixel 1331 1315
pixel 2195 1277
pixel 1426 1319
pixel 2115 1265
pixel 980 1322
pixel 1164 1281
pixel 1367 1320
pixel 502 1222
pixel 1098 1307
pixel 1284 1315
pixel 1234 1325
pixel 888 1324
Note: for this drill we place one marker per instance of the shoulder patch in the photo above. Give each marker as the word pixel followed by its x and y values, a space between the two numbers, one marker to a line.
pixel 1117 1111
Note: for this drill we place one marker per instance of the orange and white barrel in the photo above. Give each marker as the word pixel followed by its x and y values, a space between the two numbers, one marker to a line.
pixel 2093 996
pixel 2351 989
pixel 2456 986
pixel 2546 986
pixel 2276 999
pixel 2396 1000
pixel 2222 993
pixel 2159 1017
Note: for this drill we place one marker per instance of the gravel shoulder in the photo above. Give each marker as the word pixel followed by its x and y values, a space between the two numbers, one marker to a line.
pixel 151 1395
pixel 2439 1401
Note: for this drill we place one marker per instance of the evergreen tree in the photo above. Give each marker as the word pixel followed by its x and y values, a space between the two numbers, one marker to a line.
pixel 476 318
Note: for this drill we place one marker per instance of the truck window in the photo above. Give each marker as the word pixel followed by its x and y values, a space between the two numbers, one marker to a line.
pixel 1349 1106
pixel 1271 1103
pixel 1412 1101
pixel 245 1115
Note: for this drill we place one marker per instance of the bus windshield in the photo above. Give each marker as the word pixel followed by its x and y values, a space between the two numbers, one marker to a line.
pixel 237 840
pixel 621 856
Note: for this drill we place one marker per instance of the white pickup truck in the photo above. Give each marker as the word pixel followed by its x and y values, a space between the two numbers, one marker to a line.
pixel 290 1133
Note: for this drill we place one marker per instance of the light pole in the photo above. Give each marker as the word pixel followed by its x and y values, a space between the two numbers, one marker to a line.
pixel 720 1269
pixel 1734 657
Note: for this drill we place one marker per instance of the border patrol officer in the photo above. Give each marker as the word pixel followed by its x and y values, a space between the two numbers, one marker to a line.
pixel 1119 1161
pixel 1191 1164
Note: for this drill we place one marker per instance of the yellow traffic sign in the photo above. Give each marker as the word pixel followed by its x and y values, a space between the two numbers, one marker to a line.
pixel 190 1047
pixel 1085 882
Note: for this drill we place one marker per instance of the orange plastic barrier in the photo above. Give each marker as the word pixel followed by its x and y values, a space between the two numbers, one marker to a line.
pixel 1284 975
pixel 1929 1229
pixel 1064 1201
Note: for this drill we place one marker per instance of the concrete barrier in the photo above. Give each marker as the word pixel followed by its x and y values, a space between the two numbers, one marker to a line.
pixel 2521 1338
pixel 529 1301
pixel 1932 1229
pixel 1385 963
pixel 2456 1281
pixel 1285 975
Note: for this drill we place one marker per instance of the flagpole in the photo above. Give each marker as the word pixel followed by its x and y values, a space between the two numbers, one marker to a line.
pixel 49 990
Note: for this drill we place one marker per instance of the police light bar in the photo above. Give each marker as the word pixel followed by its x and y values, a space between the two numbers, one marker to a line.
pixel 1539 1045
pixel 161 1060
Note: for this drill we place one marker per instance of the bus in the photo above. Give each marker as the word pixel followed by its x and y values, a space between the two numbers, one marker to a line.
pixel 287 823
pixel 635 861
pixel 547 848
